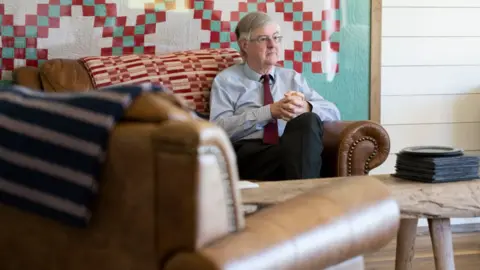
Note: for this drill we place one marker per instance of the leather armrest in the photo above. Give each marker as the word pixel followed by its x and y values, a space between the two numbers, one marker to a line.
pixel 353 148
pixel 315 230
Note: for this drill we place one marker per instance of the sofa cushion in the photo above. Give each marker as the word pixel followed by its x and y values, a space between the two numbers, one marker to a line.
pixel 188 74
pixel 62 75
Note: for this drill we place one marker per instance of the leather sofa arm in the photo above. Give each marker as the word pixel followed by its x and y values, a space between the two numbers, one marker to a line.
pixel 55 75
pixel 353 147
pixel 315 230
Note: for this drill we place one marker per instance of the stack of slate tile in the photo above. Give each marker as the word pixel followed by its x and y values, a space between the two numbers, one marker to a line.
pixel 434 167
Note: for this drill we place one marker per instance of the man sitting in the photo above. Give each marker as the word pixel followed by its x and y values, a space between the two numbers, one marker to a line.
pixel 272 116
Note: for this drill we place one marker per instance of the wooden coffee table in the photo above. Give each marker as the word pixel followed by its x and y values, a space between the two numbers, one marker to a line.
pixel 436 202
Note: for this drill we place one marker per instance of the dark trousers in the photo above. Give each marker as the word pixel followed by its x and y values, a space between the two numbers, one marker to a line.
pixel 297 156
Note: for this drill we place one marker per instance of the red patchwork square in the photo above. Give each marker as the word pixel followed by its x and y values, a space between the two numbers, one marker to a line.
pixel 288 17
pixel 317 67
pixel 214 36
pixel 88 11
pixel 279 7
pixel 19 53
pixel 19 31
pixel 42 9
pixel 307 35
pixel 307 57
pixel 298 6
pixel 31 20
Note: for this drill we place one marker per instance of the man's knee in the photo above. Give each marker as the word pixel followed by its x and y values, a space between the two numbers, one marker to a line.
pixel 307 121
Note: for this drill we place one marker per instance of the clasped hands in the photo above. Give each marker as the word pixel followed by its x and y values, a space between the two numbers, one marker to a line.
pixel 290 106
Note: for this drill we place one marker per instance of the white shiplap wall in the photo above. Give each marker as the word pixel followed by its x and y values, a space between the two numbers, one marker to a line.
pixel 431 75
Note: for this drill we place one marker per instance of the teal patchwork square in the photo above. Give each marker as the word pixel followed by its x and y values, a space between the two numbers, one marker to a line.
pixel 88 2
pixel 252 7
pixel 54 11
pixel 215 45
pixel 207 14
pixel 7 53
pixel 288 64
pixel 198 5
pixel 298 56
pixel 100 10
pixel 297 16
pixel 5 82
pixel 128 41
pixel 20 42
pixel 335 37
pixel 288 7
pixel 307 26
pixel 316 35
pixel 42 21
pixel 224 37
pixel 31 54
pixel 65 2
pixel 327 25
pixel 307 68
pixel 160 7
pixel 234 45
pixel 118 31
pixel 138 50
pixel 110 21
pixel 150 18
pixel 139 29
pixel 31 31
pixel 338 14
pixel 7 31
pixel 215 26
pixel 307 46
pixel 117 51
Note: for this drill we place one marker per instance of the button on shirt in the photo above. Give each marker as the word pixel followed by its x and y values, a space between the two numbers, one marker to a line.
pixel 236 101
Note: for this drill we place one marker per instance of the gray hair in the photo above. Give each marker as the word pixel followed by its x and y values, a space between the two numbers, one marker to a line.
pixel 249 23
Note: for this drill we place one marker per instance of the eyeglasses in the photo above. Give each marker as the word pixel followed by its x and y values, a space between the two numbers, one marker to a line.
pixel 265 39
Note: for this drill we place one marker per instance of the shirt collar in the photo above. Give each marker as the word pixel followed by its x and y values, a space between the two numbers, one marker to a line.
pixel 253 75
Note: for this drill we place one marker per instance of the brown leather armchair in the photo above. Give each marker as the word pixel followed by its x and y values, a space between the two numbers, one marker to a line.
pixel 351 147
pixel 169 200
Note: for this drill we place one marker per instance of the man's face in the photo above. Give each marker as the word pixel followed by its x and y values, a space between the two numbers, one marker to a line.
pixel 263 47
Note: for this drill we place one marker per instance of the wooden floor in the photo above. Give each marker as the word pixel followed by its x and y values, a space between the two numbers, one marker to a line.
pixel 466 246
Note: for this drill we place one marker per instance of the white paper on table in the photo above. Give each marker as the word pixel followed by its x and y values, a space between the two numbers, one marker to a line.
pixel 247 184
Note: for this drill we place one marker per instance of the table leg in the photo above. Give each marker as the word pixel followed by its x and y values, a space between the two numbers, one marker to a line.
pixel 441 236
pixel 406 244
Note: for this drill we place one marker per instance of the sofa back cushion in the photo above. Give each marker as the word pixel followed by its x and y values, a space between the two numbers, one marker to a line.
pixel 188 74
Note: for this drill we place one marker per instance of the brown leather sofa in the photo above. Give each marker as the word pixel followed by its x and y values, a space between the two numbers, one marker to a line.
pixel 351 147
pixel 171 202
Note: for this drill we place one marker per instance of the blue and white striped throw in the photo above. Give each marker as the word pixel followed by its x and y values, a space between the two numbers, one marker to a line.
pixel 52 147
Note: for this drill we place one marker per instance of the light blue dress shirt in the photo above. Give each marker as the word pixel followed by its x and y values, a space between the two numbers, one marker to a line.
pixel 236 101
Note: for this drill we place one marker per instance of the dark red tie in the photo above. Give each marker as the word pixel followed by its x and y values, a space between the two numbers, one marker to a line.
pixel 270 131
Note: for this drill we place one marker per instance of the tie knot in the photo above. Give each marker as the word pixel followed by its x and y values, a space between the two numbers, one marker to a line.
pixel 265 78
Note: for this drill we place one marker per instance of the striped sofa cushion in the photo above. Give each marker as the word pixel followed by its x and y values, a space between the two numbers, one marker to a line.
pixel 187 73
pixel 53 145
